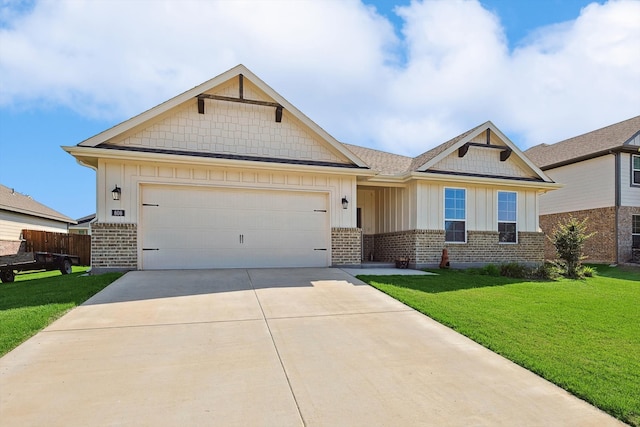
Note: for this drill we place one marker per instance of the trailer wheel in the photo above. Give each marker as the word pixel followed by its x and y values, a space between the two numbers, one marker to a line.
pixel 7 276
pixel 65 268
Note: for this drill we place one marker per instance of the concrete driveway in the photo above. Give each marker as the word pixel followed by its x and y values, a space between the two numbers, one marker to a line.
pixel 266 347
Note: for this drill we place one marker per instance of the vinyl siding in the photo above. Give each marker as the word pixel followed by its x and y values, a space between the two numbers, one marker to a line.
pixel 12 224
pixel 629 195
pixel 587 185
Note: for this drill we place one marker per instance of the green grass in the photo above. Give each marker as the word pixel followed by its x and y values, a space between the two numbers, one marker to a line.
pixel 35 300
pixel 583 335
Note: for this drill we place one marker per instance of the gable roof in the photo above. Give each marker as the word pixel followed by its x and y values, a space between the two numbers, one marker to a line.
pixel 592 144
pixel 102 139
pixel 389 164
pixel 11 200
pixel 382 162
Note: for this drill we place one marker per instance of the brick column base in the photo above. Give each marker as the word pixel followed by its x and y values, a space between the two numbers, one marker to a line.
pixel 346 247
pixel 114 247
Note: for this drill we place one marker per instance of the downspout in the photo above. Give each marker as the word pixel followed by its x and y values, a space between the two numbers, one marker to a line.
pixel 618 196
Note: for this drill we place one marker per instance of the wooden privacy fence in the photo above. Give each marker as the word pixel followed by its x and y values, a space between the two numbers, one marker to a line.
pixel 59 243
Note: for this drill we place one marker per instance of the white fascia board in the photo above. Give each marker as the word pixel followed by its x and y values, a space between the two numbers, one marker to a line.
pixel 454 147
pixel 502 136
pixel 191 94
pixel 519 153
pixel 86 153
pixel 462 179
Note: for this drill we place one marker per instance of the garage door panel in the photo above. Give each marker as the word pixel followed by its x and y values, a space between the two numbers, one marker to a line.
pixel 216 228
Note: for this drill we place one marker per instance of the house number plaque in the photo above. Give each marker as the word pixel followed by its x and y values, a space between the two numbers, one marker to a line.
pixel 117 212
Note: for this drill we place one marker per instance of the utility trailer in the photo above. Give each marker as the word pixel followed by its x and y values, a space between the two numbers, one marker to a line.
pixel 24 261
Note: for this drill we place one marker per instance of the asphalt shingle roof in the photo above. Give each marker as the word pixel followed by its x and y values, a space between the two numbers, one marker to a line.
pixel 396 164
pixel 11 200
pixel 583 146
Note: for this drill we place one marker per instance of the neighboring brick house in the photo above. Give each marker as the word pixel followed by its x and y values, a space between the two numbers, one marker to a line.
pixel 20 212
pixel 230 174
pixel 600 171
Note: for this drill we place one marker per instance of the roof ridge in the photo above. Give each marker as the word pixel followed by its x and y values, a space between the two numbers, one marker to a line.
pixel 591 132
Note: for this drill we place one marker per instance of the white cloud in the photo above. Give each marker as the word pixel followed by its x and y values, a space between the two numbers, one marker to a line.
pixel 337 61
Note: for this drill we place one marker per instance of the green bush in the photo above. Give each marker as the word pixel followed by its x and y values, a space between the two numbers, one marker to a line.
pixel 568 239
pixel 490 270
pixel 515 270
pixel 587 271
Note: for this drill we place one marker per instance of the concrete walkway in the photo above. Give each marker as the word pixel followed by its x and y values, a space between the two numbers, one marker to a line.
pixel 276 347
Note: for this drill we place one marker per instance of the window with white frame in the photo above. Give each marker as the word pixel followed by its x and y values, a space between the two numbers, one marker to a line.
pixel 455 215
pixel 507 217
pixel 635 170
pixel 635 232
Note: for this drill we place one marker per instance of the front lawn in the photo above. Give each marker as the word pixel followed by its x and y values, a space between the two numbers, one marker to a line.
pixel 35 300
pixel 583 335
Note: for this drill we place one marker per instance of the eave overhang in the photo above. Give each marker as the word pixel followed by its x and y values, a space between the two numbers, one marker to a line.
pixel 632 149
pixel 37 214
pixel 434 176
pixel 89 156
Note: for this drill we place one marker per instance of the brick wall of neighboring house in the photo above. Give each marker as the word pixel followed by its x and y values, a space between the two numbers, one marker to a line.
pixel 424 248
pixel 346 246
pixel 114 247
pixel 625 215
pixel 600 248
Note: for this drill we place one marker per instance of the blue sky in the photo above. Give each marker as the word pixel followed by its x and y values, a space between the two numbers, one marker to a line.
pixel 395 75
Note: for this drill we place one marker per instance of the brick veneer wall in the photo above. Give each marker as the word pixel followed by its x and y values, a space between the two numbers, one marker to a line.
pixel 424 248
pixel 114 247
pixel 600 248
pixel 482 247
pixel 346 246
pixel 625 217
pixel 368 243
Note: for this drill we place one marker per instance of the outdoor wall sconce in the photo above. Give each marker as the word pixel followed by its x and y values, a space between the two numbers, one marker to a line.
pixel 116 193
pixel 345 202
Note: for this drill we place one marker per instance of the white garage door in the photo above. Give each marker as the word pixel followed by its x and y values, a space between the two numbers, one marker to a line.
pixel 189 227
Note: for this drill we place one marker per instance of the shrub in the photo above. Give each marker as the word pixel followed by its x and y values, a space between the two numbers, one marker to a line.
pixel 490 270
pixel 568 239
pixel 546 271
pixel 588 271
pixel 515 270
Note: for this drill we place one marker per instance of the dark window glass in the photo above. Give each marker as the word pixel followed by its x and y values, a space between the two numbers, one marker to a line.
pixel 454 231
pixel 455 214
pixel 507 232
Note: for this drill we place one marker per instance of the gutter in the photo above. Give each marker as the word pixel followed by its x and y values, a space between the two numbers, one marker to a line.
pixel 618 200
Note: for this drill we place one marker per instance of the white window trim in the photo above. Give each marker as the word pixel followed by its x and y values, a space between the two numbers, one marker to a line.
pixel 444 214
pixel 635 184
pixel 506 222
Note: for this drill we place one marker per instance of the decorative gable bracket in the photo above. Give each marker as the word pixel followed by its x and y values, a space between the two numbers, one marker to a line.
pixel 240 99
pixel 505 152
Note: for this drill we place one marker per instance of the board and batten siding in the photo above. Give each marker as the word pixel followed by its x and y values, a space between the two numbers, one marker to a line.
pixel 481 209
pixel 129 176
pixel 629 195
pixel 420 206
pixel 12 224
pixel 587 185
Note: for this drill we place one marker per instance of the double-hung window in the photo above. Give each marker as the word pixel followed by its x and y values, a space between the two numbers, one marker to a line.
pixel 507 217
pixel 635 232
pixel 455 215
pixel 635 170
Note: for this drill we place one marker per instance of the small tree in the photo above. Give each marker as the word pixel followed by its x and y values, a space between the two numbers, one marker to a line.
pixel 569 238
